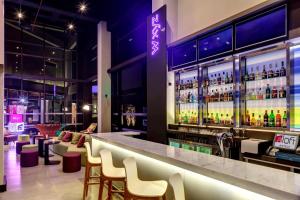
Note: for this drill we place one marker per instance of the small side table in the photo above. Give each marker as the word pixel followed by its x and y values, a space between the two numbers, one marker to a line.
pixel 47 161
pixel 36 136
pixel 41 145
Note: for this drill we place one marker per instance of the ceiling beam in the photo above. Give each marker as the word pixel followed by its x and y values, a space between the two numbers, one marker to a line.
pixel 52 10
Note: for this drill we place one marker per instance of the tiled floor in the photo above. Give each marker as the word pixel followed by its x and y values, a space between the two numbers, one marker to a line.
pixel 42 182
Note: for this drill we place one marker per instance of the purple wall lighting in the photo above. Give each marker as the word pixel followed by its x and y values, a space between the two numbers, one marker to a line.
pixel 156 28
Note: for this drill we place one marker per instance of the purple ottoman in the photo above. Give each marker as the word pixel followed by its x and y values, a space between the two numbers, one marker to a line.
pixel 19 146
pixel 71 162
pixel 29 158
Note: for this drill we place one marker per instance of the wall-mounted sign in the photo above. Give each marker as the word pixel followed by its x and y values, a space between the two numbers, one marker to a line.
pixel 285 141
pixel 15 118
pixel 16 127
pixel 156 29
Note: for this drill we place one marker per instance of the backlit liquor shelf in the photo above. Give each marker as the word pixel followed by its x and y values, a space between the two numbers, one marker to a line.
pixel 250 91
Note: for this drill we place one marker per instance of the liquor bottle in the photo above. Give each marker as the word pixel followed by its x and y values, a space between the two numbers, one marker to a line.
pixel 274 93
pixel 278 119
pixel 222 95
pixel 252 75
pixel 185 118
pixel 264 73
pixel 282 69
pixel 230 94
pixel 231 120
pixel 277 71
pixel 212 80
pixel 259 95
pixel 223 79
pixel 284 92
pixel 247 118
pixel 215 80
pixel 268 92
pixel 284 120
pixel 266 119
pixel 270 73
pixel 192 98
pixel 181 85
pixel 188 98
pixel 226 78
pixel 259 122
pixel 231 78
pixel 222 119
pixel 253 120
pixel 227 120
pixel 225 95
pixel 272 119
pixel 257 74
pixel 217 121
pixel 246 77
pixel 219 79
pixel 212 120
pixel 217 97
pixel 195 83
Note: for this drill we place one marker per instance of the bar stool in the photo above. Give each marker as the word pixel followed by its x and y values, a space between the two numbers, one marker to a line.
pixel 110 173
pixel 138 189
pixel 90 162
pixel 177 185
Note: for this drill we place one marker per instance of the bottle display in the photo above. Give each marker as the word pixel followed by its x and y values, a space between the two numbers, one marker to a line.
pixel 218 93
pixel 187 97
pixel 265 90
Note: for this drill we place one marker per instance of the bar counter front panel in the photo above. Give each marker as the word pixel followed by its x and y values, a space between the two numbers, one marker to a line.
pixel 205 177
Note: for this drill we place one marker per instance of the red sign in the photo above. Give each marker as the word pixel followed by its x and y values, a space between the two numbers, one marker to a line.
pixel 16 118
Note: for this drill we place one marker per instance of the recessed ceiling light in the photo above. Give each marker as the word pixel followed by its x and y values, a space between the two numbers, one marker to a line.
pixel 53 52
pixel 82 7
pixel 70 26
pixel 17 47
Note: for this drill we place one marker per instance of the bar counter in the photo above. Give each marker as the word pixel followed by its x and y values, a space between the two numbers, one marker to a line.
pixel 205 176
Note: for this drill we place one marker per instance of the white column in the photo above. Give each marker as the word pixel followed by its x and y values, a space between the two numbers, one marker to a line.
pixel 1 90
pixel 104 80
pixel 172 29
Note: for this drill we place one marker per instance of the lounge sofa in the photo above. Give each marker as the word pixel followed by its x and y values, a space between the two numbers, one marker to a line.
pixel 63 147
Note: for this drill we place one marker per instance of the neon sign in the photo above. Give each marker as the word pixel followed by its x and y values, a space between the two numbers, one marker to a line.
pixel 156 28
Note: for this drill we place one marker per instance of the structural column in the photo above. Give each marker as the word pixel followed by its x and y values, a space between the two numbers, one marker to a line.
pixel 2 182
pixel 104 80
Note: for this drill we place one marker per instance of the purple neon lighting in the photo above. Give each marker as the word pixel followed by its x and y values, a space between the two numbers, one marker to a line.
pixel 156 28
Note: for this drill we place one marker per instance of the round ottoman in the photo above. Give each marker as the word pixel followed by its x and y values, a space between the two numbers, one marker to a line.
pixel 23 138
pixel 71 162
pixel 19 146
pixel 30 147
pixel 29 158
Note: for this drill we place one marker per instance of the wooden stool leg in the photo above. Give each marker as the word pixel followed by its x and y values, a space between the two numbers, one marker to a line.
pixel 85 181
pixel 88 179
pixel 101 189
pixel 109 189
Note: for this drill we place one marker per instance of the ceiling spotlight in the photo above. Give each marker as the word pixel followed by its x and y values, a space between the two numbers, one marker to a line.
pixel 20 15
pixel 17 47
pixel 70 26
pixel 82 7
pixel 53 52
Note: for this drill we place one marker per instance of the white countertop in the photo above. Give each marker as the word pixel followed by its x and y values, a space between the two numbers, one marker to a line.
pixel 274 183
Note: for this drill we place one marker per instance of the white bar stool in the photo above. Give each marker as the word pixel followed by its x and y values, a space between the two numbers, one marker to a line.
pixel 138 189
pixel 110 173
pixel 90 162
pixel 177 184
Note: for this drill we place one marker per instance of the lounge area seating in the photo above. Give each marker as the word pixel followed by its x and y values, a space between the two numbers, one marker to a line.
pixel 48 129
pixel 9 137
pixel 72 144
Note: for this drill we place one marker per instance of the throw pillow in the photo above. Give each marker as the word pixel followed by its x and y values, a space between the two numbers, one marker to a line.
pixel 67 137
pixel 75 138
pixel 88 138
pixel 81 141
pixel 62 134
